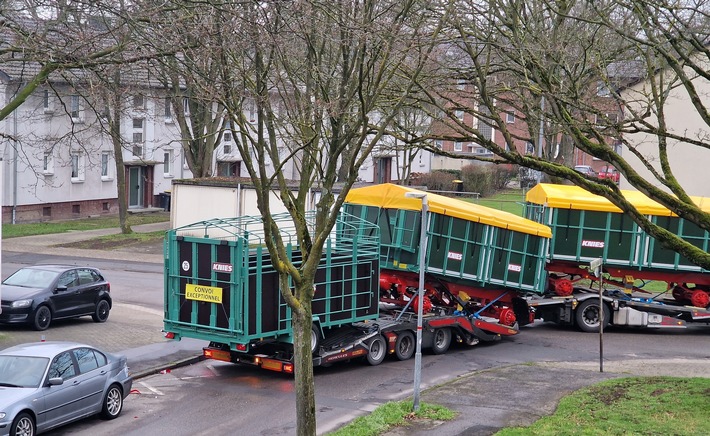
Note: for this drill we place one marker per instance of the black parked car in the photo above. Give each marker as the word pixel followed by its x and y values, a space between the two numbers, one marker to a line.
pixel 36 295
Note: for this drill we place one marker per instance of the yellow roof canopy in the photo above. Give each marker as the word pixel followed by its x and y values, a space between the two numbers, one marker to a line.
pixel 574 197
pixel 390 196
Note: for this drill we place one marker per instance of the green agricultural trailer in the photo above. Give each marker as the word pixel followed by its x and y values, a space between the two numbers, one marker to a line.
pixel 587 227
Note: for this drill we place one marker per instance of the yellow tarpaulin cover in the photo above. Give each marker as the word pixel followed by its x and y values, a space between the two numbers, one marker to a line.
pixel 574 197
pixel 391 196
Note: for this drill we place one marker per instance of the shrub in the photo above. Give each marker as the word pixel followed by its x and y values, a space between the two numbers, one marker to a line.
pixel 438 180
pixel 487 179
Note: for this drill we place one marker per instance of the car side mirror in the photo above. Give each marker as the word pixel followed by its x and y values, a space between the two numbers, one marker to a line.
pixel 61 288
pixel 56 381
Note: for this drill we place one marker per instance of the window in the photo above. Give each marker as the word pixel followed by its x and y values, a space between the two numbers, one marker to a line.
pixel 227 137
pixel 251 109
pixel 510 117
pixel 48 163
pixel 77 167
pixel 138 101
pixel 227 148
pixel 137 151
pixel 461 85
pixel 47 211
pixel 439 144
pixel 484 128
pixel 105 165
pixel 86 359
pixel 168 163
pixel 138 123
pixel 168 111
pixel 459 114
pixel 137 137
pixel 458 146
pixel 75 109
pixel 603 90
pixel 46 102
pixel 186 106
pixel 228 169
pixel 62 366
pixel 68 279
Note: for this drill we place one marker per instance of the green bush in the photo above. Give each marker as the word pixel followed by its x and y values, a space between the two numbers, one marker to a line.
pixel 486 179
pixel 438 180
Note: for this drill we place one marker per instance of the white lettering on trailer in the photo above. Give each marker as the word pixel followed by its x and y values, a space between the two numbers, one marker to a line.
pixel 593 244
pixel 222 267
pixel 455 256
pixel 514 267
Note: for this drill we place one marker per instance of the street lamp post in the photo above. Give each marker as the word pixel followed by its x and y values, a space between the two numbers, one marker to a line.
pixel 420 299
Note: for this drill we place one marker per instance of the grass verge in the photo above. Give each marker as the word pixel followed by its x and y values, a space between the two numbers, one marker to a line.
pixel 391 415
pixel 104 222
pixel 629 406
pixel 508 200
pixel 116 241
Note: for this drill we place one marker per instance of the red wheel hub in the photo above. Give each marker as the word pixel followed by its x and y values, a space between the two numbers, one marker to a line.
pixel 563 287
pixel 700 298
pixel 426 304
pixel 507 317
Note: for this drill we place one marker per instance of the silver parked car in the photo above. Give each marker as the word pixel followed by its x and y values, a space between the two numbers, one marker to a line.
pixel 47 384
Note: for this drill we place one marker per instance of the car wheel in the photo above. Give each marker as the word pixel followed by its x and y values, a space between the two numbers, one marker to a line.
pixel 23 425
pixel 42 318
pixel 113 403
pixel 101 311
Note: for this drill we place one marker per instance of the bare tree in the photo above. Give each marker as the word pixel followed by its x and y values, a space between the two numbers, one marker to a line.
pixel 566 68
pixel 303 84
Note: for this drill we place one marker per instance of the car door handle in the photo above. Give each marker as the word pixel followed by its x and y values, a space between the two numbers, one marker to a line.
pixel 76 382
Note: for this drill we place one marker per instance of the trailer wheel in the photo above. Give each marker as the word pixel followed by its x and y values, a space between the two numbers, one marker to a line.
pixel 378 350
pixel 315 338
pixel 442 341
pixel 404 347
pixel 587 316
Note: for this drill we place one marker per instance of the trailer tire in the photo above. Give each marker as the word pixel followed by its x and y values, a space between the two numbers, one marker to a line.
pixel 441 341
pixel 404 346
pixel 315 338
pixel 587 316
pixel 378 350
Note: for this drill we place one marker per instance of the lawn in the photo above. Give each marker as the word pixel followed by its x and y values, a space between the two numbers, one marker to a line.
pixel 508 200
pixel 104 222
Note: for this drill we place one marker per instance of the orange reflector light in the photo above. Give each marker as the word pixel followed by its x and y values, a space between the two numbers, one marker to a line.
pixel 273 365
pixel 217 355
pixel 288 367
pixel 241 347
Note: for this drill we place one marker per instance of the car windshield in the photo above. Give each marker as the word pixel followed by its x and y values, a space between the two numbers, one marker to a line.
pixel 31 278
pixel 22 371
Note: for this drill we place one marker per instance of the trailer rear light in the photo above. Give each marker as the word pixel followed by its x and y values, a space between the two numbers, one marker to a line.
pixel 288 367
pixel 241 347
pixel 272 365
pixel 170 335
pixel 222 355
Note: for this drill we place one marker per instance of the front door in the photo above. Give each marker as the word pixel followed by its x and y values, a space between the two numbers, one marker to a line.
pixel 136 186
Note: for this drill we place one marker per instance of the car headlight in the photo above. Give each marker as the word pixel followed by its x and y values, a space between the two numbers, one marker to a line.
pixel 21 303
pixel 2 415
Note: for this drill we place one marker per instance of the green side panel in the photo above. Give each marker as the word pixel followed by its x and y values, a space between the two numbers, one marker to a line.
pixel 659 257
pixel 517 260
pixel 582 235
pixel 252 308
pixel 456 247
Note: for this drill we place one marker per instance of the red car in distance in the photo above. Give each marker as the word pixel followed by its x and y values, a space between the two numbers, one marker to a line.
pixel 609 172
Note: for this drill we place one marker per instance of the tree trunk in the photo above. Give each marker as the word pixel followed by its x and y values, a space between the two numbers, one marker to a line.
pixel 303 366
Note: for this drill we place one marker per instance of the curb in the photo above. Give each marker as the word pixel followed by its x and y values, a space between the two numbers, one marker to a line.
pixel 167 367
